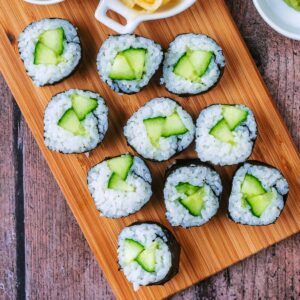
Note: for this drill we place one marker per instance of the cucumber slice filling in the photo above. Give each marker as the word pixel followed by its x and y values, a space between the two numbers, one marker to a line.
pixel 121 70
pixel 255 195
pixel 193 64
pixel 187 188
pixel 132 249
pixel 120 167
pixel 44 55
pixel 70 122
pixel 83 105
pixel 49 48
pixel 73 117
pixel 129 65
pixel 147 258
pixel 136 59
pixel 251 186
pixel 260 203
pixel 222 132
pixel 135 251
pixel 173 126
pixel 234 116
pixel 164 127
pixel 185 69
pixel 116 183
pixel 154 130
pixel 193 201
pixel 53 39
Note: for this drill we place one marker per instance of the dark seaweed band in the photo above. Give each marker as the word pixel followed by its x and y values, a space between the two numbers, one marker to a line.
pixel 100 133
pixel 78 43
pixel 177 151
pixel 174 248
pixel 263 164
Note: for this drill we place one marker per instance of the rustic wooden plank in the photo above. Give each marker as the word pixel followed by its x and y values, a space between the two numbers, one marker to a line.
pixel 33 157
pixel 59 262
pixel 8 195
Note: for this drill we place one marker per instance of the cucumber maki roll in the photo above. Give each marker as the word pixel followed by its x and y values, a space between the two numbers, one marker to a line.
pixel 75 121
pixel 50 50
pixel 120 185
pixel 148 254
pixel 225 134
pixel 258 194
pixel 128 62
pixel 193 64
pixel 160 129
pixel 192 193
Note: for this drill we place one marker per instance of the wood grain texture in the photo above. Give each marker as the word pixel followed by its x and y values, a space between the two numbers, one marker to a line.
pixel 8 194
pixel 33 180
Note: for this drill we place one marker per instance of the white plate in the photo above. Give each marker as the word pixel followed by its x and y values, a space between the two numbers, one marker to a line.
pixel 133 19
pixel 280 17
pixel 43 2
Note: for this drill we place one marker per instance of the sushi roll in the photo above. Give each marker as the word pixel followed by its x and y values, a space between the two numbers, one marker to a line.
pixel 160 129
pixel 75 121
pixel 193 64
pixel 192 193
pixel 120 185
pixel 128 62
pixel 50 50
pixel 148 254
pixel 225 134
pixel 258 194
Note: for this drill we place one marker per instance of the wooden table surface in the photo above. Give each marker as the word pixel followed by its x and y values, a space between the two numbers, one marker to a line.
pixel 43 254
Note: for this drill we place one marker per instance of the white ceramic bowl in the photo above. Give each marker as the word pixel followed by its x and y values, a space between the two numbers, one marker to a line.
pixel 132 17
pixel 280 17
pixel 43 2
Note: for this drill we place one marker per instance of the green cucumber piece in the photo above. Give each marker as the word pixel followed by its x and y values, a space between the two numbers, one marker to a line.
pixel 132 249
pixel 121 165
pixel 185 69
pixel 164 127
pixel 173 126
pixel 195 202
pixel 260 203
pixel 121 69
pixel 136 59
pixel 70 122
pixel 45 56
pixel 234 116
pixel 147 258
pixel 53 39
pixel 154 129
pixel 83 105
pixel 251 187
pixel 200 60
pixel 222 132
pixel 187 188
pixel 118 184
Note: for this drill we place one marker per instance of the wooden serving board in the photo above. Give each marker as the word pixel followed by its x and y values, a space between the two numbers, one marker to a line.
pixel 207 249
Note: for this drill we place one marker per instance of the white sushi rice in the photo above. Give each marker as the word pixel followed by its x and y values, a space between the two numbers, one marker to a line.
pixel 178 85
pixel 115 44
pixel 95 123
pixel 117 204
pixel 136 134
pixel 272 181
pixel 48 74
pixel 220 153
pixel 195 175
pixel 145 234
